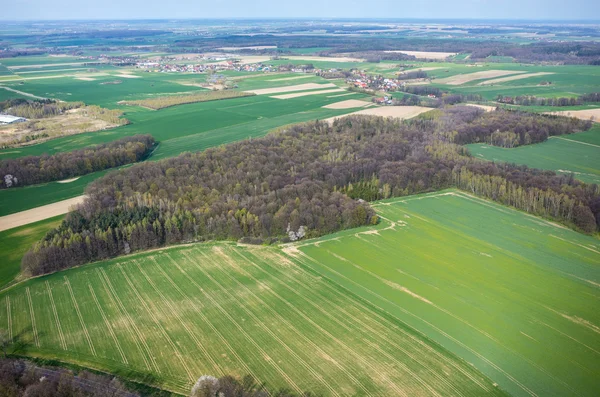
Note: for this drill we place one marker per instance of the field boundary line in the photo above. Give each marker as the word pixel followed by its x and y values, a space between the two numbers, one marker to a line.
pixel 10 330
pixel 32 316
pixel 170 307
pixel 160 327
pixel 480 356
pixel 56 318
pixel 85 330
pixel 136 335
pixel 574 141
pixel 310 369
pixel 193 305
pixel 243 331
pixel 110 330
pixel 221 337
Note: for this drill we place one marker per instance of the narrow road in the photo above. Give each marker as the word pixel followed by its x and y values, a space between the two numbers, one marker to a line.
pixel 22 92
pixel 38 214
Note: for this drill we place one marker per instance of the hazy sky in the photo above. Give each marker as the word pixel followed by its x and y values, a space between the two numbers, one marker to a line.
pixel 137 9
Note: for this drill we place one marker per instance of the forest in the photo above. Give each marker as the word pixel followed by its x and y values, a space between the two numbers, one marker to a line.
pixel 306 181
pixel 31 170
pixel 36 109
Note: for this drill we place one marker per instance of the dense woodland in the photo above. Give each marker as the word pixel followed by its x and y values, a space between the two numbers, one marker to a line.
pixel 308 180
pixel 24 378
pixel 32 170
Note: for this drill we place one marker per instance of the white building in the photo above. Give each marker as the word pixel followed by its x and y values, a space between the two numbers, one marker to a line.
pixel 8 119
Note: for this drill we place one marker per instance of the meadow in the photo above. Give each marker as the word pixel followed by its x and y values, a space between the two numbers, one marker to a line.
pixel 576 153
pixel 510 293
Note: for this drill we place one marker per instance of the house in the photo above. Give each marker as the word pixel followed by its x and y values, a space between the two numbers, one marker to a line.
pixel 8 119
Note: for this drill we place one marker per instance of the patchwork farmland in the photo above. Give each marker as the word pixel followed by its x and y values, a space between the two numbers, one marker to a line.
pixel 362 312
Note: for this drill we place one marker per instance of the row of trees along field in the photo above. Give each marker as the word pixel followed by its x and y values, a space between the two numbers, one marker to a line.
pixel 530 100
pixel 32 170
pixel 305 181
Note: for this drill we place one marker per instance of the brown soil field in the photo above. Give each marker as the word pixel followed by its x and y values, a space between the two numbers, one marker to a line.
pixel 425 54
pixel 127 76
pixel 486 74
pixel 401 112
pixel 38 214
pixel 511 78
pixel 291 88
pixel 587 114
pixel 348 104
pixel 306 93
pixel 424 69
pixel 85 78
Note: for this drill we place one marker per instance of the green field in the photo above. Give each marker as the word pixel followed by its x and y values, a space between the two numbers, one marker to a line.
pixel 369 311
pixel 512 294
pixel 577 153
pixel 15 242
pixel 221 309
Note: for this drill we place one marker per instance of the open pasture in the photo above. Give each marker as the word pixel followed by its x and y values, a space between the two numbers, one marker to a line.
pixel 510 293
pixel 576 153
pixel 180 313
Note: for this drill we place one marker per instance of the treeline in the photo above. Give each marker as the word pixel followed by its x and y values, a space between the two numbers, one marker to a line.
pixel 507 128
pixel 23 378
pixel 432 102
pixel 36 109
pixel 417 74
pixel 530 100
pixel 200 96
pixel 305 181
pixel 32 170
pixel 229 386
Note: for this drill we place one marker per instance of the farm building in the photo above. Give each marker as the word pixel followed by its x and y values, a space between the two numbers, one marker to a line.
pixel 8 119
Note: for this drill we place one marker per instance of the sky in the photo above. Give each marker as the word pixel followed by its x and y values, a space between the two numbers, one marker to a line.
pixel 192 9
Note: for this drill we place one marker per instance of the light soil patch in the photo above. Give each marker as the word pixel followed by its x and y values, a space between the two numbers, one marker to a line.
pixel 39 213
pixel 587 114
pixel 69 180
pixel 348 104
pixel 293 78
pixel 127 76
pixel 486 74
pixel 401 112
pixel 291 88
pixel 243 59
pixel 306 93
pixel 487 108
pixel 511 78
pixel 53 70
pixel 425 54
pixel 85 78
